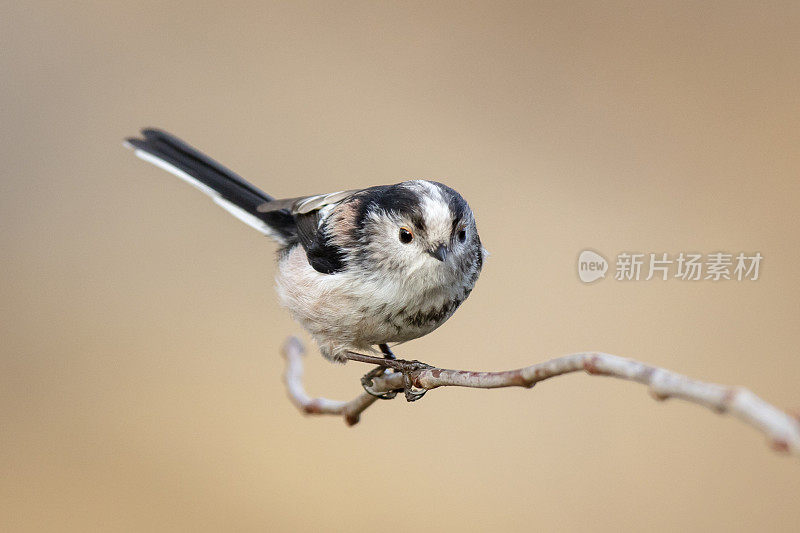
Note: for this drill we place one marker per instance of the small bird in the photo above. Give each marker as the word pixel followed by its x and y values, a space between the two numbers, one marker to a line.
pixel 357 268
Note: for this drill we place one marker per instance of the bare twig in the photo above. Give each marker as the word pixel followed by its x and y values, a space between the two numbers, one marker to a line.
pixel 293 352
pixel 782 430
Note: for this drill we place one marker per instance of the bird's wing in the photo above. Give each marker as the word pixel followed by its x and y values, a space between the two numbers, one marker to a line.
pixel 309 213
pixel 305 204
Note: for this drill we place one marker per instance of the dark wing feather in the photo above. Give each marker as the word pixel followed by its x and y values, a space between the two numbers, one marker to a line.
pixel 323 256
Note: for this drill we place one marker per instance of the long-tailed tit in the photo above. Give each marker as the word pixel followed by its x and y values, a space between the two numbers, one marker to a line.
pixel 358 268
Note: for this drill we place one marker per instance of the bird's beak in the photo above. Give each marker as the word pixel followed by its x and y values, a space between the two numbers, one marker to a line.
pixel 440 252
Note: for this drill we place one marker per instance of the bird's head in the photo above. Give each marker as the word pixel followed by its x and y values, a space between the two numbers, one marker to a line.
pixel 418 229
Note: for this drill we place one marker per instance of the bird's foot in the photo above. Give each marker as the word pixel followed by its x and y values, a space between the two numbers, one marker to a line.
pixel 395 365
pixel 367 383
pixel 412 394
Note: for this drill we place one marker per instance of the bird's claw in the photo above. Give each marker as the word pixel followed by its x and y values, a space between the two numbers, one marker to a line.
pixel 408 389
pixel 366 382
pixel 412 394
pixel 406 368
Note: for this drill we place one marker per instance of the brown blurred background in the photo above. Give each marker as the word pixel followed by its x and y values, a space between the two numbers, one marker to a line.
pixel 140 378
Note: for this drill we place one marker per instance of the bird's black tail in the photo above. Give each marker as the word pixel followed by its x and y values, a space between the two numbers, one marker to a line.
pixel 225 187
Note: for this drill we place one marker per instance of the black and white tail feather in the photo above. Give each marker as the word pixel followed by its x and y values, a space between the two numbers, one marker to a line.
pixel 289 221
pixel 226 188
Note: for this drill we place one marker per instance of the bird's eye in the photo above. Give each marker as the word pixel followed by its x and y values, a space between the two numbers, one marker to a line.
pixel 405 235
pixel 462 235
